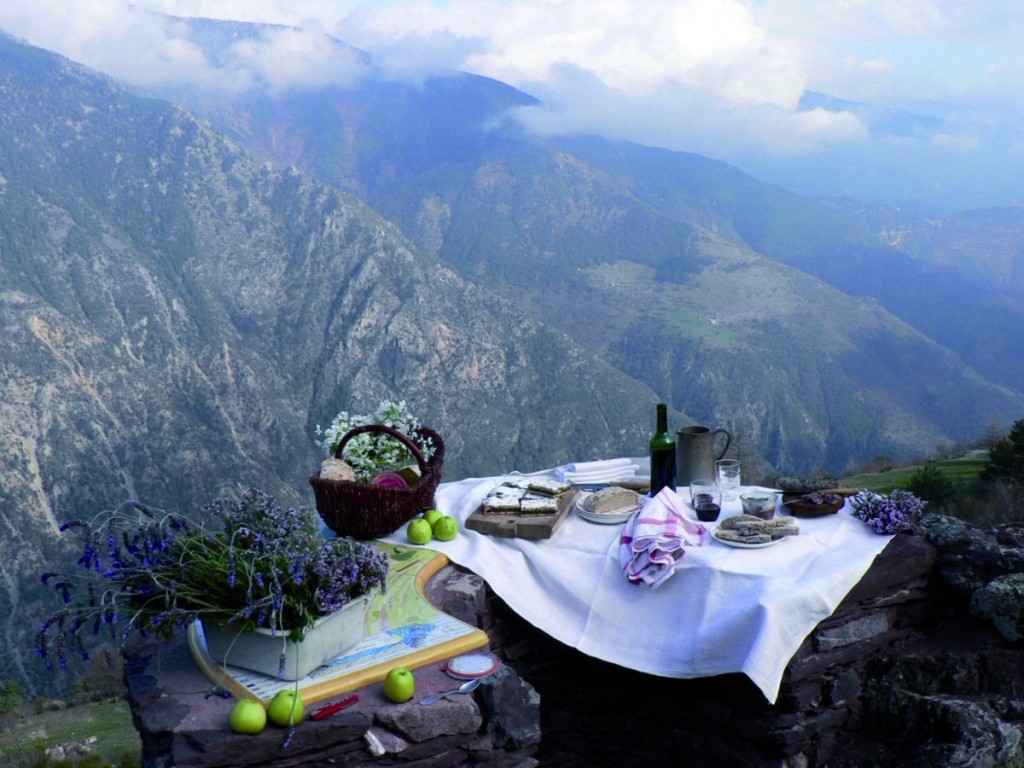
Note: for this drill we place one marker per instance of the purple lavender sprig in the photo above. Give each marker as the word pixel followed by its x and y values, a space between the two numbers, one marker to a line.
pixel 887 514
pixel 145 571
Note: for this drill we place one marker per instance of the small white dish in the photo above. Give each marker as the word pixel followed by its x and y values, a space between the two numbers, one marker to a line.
pixel 471 666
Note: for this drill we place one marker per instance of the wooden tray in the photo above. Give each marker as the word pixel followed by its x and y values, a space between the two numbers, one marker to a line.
pixel 523 526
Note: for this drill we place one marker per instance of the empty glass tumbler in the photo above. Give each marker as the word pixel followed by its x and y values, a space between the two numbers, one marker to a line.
pixel 728 478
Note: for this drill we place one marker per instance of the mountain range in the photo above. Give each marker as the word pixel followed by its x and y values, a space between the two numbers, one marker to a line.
pixel 192 281
pixel 580 224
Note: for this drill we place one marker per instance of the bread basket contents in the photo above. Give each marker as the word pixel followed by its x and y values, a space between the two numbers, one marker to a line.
pixel 382 470
pixel 336 469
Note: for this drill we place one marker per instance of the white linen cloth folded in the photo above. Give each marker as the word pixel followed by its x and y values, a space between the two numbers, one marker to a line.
pixel 654 537
pixel 606 471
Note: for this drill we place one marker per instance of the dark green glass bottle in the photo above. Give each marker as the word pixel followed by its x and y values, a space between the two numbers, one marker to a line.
pixel 663 454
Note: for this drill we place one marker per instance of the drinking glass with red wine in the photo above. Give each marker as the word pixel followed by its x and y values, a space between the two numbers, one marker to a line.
pixel 706 499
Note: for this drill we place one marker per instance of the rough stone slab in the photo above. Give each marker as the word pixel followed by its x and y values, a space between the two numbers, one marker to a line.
pixel 852 632
pixel 417 722
pixel 381 742
pixel 512 707
pixel 461 594
pixel 1001 602
pixel 905 560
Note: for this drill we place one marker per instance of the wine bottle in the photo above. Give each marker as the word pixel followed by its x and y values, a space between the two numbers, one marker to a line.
pixel 663 454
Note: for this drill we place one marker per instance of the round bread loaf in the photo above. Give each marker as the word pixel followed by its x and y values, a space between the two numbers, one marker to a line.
pixel 613 499
pixel 336 469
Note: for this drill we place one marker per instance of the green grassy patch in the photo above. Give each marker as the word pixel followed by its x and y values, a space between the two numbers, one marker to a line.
pixel 963 472
pixel 634 289
pixel 688 321
pixel 22 739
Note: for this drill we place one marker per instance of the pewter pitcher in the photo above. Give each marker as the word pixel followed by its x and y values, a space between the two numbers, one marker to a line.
pixel 695 453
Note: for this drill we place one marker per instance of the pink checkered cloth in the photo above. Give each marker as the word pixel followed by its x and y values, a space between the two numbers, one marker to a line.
pixel 654 537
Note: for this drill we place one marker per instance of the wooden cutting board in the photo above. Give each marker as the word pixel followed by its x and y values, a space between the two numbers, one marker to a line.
pixel 523 526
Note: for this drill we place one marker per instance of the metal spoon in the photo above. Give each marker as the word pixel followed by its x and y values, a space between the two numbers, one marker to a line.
pixel 466 687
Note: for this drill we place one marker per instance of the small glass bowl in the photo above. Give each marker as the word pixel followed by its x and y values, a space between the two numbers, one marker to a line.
pixel 759 504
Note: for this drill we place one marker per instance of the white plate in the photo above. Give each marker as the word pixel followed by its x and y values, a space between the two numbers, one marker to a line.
pixel 613 518
pixel 741 545
pixel 471 666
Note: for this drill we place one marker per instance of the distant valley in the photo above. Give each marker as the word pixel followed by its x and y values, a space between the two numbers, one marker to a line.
pixel 901 345
pixel 184 298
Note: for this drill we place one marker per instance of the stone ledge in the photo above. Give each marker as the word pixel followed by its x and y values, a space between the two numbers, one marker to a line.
pixel 183 723
pixel 901 647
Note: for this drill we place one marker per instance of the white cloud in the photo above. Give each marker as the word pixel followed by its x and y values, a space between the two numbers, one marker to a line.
pixel 872 19
pixel 140 44
pixel 289 58
pixel 956 141
pixel 827 125
pixel 636 48
pixel 719 77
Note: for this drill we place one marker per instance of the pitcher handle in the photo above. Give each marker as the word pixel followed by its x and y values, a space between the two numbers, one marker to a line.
pixel 728 441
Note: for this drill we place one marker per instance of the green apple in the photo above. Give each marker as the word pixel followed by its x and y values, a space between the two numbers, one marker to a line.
pixel 286 708
pixel 399 685
pixel 418 531
pixel 248 716
pixel 446 529
pixel 431 515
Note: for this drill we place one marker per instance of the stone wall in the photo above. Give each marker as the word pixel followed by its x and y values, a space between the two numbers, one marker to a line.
pixel 921 665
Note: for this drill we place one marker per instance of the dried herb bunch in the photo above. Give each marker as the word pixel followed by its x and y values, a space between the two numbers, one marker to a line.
pixel 888 514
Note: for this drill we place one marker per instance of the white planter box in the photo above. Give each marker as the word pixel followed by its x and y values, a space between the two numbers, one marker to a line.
pixel 260 650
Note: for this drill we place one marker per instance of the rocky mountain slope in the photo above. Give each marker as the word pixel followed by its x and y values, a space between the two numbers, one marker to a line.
pixel 177 317
pixel 785 319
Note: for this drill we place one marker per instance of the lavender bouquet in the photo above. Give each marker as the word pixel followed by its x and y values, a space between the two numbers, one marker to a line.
pixel 887 514
pixel 153 572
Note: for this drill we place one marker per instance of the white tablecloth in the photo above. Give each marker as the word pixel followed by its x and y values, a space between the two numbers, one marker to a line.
pixel 724 609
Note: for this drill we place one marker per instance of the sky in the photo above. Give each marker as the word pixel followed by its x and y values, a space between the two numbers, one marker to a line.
pixel 926 97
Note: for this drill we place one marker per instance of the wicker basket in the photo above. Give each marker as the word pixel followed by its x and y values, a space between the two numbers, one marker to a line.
pixel 365 511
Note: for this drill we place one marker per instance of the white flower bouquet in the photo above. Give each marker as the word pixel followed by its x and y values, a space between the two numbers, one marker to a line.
pixel 371 453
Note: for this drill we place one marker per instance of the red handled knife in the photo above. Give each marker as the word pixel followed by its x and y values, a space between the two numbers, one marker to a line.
pixel 330 709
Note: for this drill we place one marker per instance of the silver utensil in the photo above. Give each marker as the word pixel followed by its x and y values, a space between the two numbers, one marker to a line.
pixel 466 687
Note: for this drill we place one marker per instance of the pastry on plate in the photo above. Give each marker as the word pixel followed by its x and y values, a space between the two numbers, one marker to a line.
pixel 748 529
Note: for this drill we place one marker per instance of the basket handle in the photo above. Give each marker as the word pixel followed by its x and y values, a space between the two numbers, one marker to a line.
pixel 389 431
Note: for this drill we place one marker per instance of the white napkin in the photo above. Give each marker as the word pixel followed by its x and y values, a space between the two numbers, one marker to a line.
pixel 606 471
pixel 653 538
